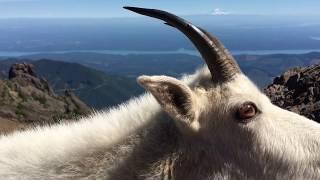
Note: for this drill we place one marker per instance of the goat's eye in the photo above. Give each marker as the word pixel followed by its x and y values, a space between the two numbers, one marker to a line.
pixel 246 111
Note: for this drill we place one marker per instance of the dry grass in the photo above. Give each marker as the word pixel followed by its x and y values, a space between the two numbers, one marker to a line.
pixel 8 126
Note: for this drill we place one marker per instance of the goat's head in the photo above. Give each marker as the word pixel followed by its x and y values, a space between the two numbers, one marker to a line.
pixel 223 107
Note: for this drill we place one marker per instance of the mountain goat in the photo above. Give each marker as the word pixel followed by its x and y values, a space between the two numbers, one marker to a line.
pixel 214 124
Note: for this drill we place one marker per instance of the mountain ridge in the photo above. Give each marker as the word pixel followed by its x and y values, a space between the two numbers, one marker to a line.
pixel 27 100
pixel 267 66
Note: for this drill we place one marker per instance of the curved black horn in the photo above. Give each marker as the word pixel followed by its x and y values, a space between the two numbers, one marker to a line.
pixel 220 62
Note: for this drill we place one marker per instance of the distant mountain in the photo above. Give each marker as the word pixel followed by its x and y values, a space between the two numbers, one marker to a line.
pixel 94 87
pixel 26 99
pixel 260 68
pixel 131 65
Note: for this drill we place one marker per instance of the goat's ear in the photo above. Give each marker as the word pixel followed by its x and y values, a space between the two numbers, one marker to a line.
pixel 174 96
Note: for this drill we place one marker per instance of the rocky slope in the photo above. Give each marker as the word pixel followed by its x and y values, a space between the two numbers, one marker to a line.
pixel 26 99
pixel 298 90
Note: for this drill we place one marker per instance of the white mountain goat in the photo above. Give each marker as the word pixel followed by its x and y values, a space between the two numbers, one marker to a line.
pixel 214 124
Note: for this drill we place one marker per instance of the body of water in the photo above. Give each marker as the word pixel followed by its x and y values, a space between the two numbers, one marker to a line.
pixel 128 52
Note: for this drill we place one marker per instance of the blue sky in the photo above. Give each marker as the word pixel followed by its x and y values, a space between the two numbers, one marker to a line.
pixel 112 8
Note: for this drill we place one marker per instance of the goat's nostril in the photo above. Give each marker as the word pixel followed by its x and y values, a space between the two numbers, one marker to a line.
pixel 246 111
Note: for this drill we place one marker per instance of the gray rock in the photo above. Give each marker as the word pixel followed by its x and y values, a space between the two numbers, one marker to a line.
pixel 298 90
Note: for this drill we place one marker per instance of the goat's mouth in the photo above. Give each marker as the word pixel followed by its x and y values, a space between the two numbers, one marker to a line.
pixel 220 62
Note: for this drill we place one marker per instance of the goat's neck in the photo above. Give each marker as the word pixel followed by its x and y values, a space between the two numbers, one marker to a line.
pixel 60 142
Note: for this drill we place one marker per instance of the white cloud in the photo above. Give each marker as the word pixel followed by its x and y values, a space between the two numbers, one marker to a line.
pixel 315 38
pixel 219 12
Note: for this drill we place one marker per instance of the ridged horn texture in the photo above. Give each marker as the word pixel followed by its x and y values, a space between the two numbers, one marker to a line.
pixel 220 62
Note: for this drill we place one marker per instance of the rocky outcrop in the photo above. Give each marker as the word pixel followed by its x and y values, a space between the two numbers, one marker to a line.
pixel 26 99
pixel 298 90
pixel 24 74
pixel 21 70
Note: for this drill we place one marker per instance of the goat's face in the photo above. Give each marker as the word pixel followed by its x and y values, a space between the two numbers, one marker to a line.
pixel 211 111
